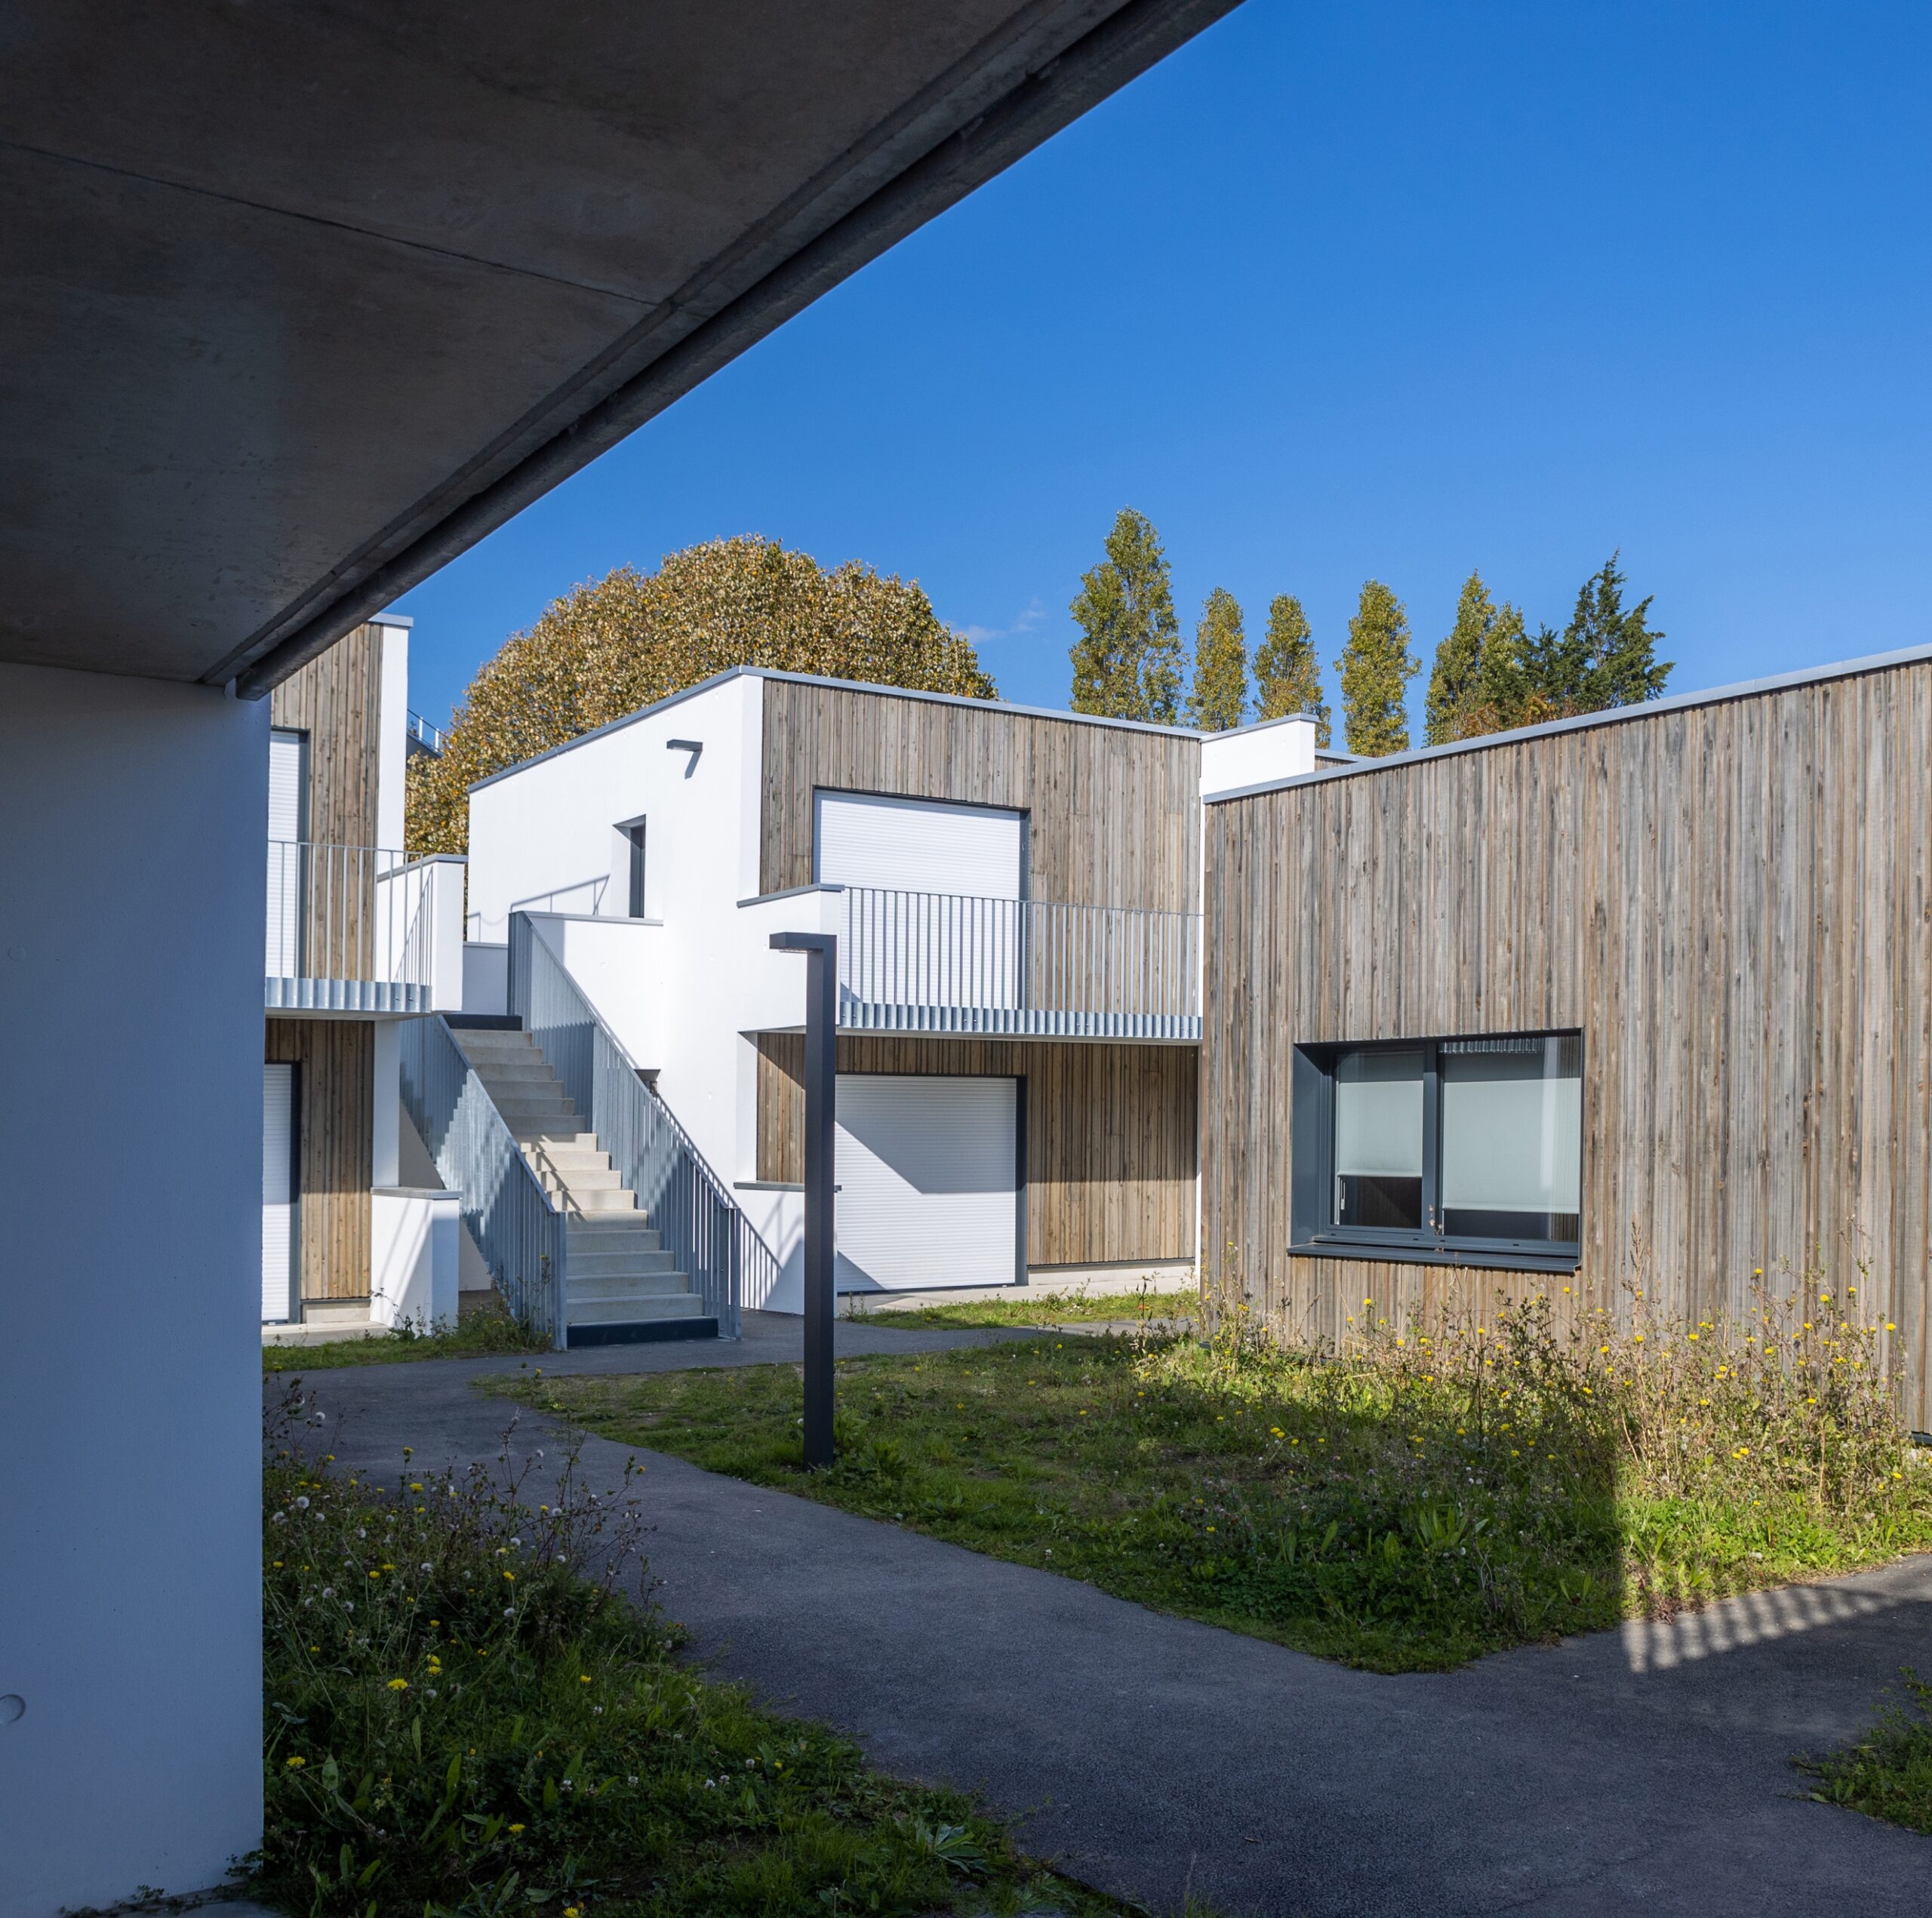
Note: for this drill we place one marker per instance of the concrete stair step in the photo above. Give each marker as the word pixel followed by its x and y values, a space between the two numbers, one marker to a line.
pixel 579 1178
pixel 593 1312
pixel 618 1285
pixel 587 1265
pixel 601 1204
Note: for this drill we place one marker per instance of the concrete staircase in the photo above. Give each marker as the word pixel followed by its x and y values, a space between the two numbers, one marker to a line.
pixel 621 1285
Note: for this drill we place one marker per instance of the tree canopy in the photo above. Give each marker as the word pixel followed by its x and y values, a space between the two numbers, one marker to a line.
pixel 1375 667
pixel 1219 702
pixel 1491 673
pixel 1127 660
pixel 1287 676
pixel 609 647
pixel 1478 683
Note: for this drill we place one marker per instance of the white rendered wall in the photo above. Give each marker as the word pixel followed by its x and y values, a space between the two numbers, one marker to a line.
pixel 1275 749
pixel 680 991
pixel 413 1243
pixel 131 1019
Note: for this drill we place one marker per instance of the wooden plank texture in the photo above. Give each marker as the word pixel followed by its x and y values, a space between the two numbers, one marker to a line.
pixel 336 1109
pixel 1110 1133
pixel 1733 901
pixel 336 699
pixel 1115 812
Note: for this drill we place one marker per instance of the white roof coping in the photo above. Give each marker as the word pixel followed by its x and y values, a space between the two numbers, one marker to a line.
pixel 390 620
pixel 1611 716
pixel 843 685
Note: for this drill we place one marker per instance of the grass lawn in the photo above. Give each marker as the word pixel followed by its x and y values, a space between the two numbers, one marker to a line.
pixel 483 1331
pixel 462 1725
pixel 1887 1774
pixel 1171 1309
pixel 1433 1499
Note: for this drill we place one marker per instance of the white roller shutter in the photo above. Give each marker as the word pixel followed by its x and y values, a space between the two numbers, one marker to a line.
pixel 928 1178
pixel 932 917
pixel 287 789
pixel 918 845
pixel 277 1193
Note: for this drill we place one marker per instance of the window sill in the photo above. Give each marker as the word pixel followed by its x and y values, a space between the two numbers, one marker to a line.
pixel 1402 1255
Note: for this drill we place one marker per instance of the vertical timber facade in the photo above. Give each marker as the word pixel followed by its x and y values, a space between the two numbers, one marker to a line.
pixel 1732 900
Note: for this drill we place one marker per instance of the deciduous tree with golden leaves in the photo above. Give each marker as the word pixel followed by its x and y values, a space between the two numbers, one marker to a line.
pixel 607 648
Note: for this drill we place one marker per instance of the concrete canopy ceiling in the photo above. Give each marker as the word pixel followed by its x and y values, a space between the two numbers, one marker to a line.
pixel 302 297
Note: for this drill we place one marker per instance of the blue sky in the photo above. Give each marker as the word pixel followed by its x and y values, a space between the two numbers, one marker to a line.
pixel 1390 289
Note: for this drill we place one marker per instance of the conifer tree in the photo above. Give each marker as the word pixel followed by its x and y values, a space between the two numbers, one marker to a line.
pixel 1606 656
pixel 1375 667
pixel 1127 661
pixel 1287 676
pixel 1219 702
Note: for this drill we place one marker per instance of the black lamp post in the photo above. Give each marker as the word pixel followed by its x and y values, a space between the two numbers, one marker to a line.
pixel 821 951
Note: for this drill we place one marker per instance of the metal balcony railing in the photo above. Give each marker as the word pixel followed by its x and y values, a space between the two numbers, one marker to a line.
pixel 422 736
pixel 946 962
pixel 349 930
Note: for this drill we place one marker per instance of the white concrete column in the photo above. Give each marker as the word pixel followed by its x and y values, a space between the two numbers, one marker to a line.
pixel 131 1153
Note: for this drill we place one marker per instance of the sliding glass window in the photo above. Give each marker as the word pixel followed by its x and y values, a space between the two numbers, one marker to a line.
pixel 1442 1147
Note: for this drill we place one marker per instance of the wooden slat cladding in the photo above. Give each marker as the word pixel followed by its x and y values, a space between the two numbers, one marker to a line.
pixel 1110 1134
pixel 1115 813
pixel 337 1082
pixel 1733 901
pixel 336 699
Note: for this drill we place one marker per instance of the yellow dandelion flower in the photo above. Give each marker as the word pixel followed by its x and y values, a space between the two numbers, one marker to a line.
pixel 398 1685
pixel 296 1764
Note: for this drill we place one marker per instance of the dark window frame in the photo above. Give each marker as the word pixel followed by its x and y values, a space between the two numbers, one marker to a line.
pixel 1312 1181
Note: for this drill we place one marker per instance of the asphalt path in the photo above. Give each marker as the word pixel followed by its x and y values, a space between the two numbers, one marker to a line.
pixel 1646 1770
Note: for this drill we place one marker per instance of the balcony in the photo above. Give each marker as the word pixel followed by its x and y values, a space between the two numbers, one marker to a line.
pixel 361 929
pixel 944 962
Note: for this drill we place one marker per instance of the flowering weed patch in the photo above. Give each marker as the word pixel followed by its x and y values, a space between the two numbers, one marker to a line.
pixel 461 1720
pixel 1439 1492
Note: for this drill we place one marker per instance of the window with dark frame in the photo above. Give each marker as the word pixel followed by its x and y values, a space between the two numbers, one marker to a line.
pixel 634 834
pixel 1441 1149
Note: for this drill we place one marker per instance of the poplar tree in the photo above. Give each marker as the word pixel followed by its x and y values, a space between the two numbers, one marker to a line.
pixel 1287 676
pixel 1219 702
pixel 1127 660
pixel 1478 684
pixel 1375 667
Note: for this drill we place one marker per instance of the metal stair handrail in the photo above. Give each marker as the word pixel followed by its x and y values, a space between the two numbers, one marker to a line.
pixel 517 1229
pixel 683 1196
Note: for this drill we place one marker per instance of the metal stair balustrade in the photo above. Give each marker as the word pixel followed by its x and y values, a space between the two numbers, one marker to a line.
pixel 675 1186
pixel 519 1230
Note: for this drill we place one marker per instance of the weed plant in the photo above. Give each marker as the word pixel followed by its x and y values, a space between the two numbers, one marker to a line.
pixel 1887 1773
pixel 1438 1491
pixel 1171 1312
pixel 474 1709
pixel 484 1331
